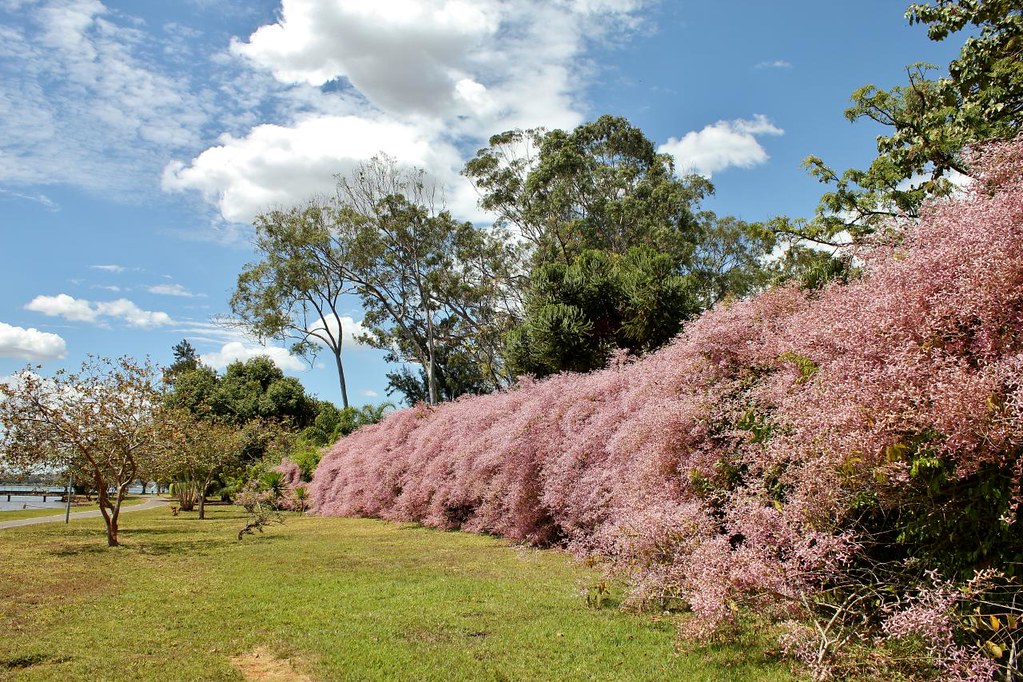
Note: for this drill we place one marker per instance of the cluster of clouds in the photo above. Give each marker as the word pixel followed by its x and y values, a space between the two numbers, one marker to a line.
pixel 423 81
pixel 231 342
pixel 94 98
pixel 35 345
pixel 270 118
pixel 30 344
pixel 97 312
pixel 722 145
pixel 84 101
pixel 234 351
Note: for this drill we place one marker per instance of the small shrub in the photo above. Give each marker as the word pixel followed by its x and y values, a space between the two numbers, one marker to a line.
pixel 259 508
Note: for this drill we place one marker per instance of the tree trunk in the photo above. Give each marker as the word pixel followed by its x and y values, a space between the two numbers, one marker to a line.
pixel 431 367
pixel 202 497
pixel 341 378
pixel 431 383
pixel 112 527
pixel 116 513
pixel 109 512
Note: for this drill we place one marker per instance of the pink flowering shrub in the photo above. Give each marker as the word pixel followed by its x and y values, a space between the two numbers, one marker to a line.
pixel 932 614
pixel 774 446
pixel 292 493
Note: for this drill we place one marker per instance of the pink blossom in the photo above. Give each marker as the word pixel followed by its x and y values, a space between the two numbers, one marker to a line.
pixel 722 469
pixel 292 474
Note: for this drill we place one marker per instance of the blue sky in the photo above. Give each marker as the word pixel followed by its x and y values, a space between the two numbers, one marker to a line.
pixel 138 140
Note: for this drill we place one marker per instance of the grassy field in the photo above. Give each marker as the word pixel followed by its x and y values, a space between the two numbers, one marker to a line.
pixel 16 514
pixel 321 599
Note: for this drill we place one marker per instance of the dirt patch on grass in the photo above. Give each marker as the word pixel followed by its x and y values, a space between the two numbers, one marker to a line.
pixel 260 665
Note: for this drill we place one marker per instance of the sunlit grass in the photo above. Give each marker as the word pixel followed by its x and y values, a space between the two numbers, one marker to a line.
pixel 341 598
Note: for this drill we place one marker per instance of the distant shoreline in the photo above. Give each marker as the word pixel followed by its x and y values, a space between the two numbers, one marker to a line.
pixel 22 502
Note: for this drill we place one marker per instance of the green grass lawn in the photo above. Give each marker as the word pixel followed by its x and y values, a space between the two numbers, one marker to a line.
pixel 340 599
pixel 16 514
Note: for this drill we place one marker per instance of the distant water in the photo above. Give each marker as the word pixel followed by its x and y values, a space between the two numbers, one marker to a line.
pixel 19 502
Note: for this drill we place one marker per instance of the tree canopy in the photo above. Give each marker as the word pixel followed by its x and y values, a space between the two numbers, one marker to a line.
pixel 295 290
pixel 601 186
pixel 196 450
pixel 254 396
pixel 424 279
pixel 98 423
pixel 617 256
pixel 932 120
pixel 578 314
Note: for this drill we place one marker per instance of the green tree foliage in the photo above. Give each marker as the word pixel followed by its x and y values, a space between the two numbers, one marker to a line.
pixel 326 425
pixel 424 278
pixel 458 373
pixel 617 255
pixel 932 120
pixel 578 314
pixel 294 291
pixel 265 440
pixel 330 425
pixel 812 268
pixel 731 257
pixel 258 389
pixel 186 359
pixel 196 450
pixel 602 186
pixel 253 396
pixel 192 390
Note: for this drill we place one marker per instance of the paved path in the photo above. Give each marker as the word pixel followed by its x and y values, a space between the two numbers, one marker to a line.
pixel 148 504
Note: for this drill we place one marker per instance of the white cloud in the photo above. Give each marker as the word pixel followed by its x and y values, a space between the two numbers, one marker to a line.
pixel 108 268
pixel 62 305
pixel 351 327
pixel 30 344
pixel 421 80
pixel 35 197
pixel 441 58
pixel 126 310
pixel 369 393
pixel 82 310
pixel 171 290
pixel 405 56
pixel 84 101
pixel 239 351
pixel 773 64
pixel 278 165
pixel 722 145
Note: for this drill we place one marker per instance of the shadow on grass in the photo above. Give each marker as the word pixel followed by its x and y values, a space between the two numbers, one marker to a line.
pixel 147 541
pixel 29 660
pixel 197 546
pixel 99 547
pixel 211 515
pixel 744 652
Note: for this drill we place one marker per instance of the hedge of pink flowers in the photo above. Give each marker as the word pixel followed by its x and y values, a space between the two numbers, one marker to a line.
pixel 729 467
pixel 292 479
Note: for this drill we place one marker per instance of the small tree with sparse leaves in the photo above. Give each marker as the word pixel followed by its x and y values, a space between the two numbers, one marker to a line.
pixel 98 422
